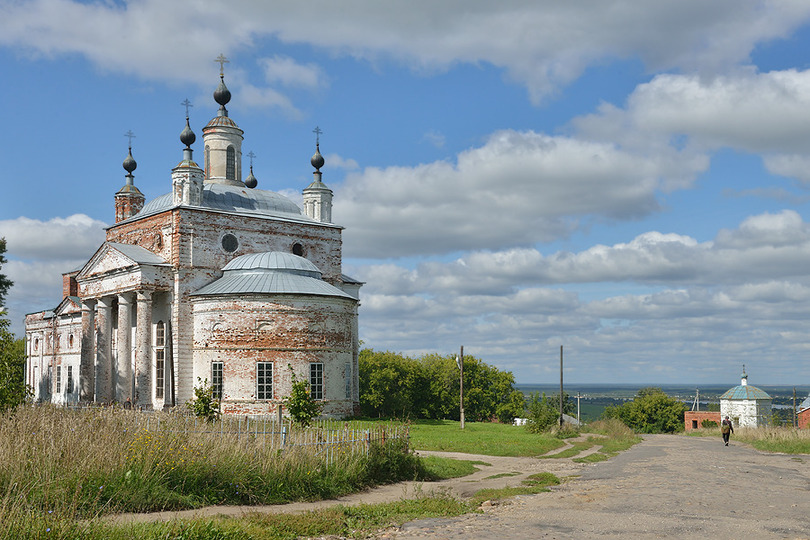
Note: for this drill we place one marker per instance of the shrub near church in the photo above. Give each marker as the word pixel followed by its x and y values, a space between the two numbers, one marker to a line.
pixel 396 386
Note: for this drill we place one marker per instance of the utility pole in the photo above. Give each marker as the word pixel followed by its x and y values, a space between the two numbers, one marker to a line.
pixel 579 422
pixel 795 420
pixel 561 418
pixel 460 361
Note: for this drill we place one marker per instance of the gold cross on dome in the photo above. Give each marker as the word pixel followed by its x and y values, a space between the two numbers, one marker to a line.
pixel 222 61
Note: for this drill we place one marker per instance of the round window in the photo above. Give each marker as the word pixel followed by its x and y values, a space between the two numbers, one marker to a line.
pixel 230 243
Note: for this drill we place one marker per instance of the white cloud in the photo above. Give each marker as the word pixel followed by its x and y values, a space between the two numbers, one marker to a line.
pixel 73 237
pixel 286 71
pixel 434 138
pixel 519 188
pixel 544 45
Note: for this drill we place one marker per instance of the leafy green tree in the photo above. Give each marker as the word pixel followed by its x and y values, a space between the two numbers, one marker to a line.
pixel 652 411
pixel 543 413
pixel 303 408
pixel 13 390
pixel 514 407
pixel 204 405
pixel 391 385
pixel 5 283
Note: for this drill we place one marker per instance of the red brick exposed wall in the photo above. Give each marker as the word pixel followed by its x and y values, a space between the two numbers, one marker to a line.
pixel 690 417
pixel 804 419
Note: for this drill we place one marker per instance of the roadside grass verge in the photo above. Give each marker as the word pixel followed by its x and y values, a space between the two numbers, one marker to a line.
pixel 59 466
pixel 536 483
pixel 441 468
pixel 615 437
pixel 785 440
pixel 338 521
pixel 480 438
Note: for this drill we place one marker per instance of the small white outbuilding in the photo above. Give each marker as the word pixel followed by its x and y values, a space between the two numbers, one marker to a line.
pixel 746 405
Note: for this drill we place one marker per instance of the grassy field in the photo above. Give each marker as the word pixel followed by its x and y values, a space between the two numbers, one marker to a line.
pixel 786 440
pixel 61 470
pixel 480 438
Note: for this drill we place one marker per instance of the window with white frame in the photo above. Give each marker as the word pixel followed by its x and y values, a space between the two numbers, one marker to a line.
pixel 58 379
pixel 316 380
pixel 160 358
pixel 264 380
pixel 70 379
pixel 216 379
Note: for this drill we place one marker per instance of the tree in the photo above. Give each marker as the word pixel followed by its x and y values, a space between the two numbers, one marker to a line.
pixel 13 390
pixel 303 408
pixel 652 411
pixel 543 413
pixel 5 283
pixel 204 405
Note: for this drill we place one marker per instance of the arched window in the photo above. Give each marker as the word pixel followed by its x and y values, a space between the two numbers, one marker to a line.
pixel 230 164
pixel 160 358
pixel 298 249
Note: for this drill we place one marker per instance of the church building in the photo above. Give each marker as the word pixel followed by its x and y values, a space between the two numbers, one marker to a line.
pixel 215 281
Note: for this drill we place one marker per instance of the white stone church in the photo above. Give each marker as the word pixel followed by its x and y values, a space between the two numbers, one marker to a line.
pixel 216 280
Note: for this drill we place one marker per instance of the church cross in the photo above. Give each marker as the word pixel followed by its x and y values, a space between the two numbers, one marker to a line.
pixel 187 104
pixel 130 136
pixel 222 61
pixel 317 131
pixel 251 155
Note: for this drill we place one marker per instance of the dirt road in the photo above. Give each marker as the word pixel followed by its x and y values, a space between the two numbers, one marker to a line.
pixel 669 486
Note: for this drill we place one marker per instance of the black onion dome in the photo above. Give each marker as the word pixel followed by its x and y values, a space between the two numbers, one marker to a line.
pixel 129 163
pixel 222 95
pixel 187 136
pixel 251 180
pixel 317 159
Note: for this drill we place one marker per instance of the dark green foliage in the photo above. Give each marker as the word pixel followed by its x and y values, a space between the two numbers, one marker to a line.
pixel 392 385
pixel 204 405
pixel 302 407
pixel 543 414
pixel 652 411
pixel 708 424
pixel 5 283
pixel 13 390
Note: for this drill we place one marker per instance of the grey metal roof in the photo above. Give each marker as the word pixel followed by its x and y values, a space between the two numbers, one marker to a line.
pixel 239 199
pixel 805 404
pixel 138 254
pixel 274 260
pixel 350 280
pixel 271 273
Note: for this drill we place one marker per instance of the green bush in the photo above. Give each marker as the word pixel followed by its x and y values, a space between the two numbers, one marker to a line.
pixel 303 408
pixel 652 411
pixel 542 414
pixel 204 405
pixel 708 423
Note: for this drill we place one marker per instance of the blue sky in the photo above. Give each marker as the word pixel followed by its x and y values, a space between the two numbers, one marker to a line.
pixel 628 180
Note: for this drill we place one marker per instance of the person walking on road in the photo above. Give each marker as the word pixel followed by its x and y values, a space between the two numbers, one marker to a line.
pixel 726 429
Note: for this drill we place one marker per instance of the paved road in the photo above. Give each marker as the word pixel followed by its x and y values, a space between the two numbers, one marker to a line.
pixel 666 487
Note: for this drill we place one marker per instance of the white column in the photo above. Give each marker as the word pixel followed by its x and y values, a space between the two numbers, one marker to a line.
pixel 124 390
pixel 143 351
pixel 87 366
pixel 104 390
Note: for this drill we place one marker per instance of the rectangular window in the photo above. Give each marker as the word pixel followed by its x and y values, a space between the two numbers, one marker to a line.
pixel 70 379
pixel 316 380
pixel 160 379
pixel 264 380
pixel 160 358
pixel 216 379
pixel 58 379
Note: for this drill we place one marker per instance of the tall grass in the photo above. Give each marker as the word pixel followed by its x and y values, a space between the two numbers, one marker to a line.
pixel 786 440
pixel 63 467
